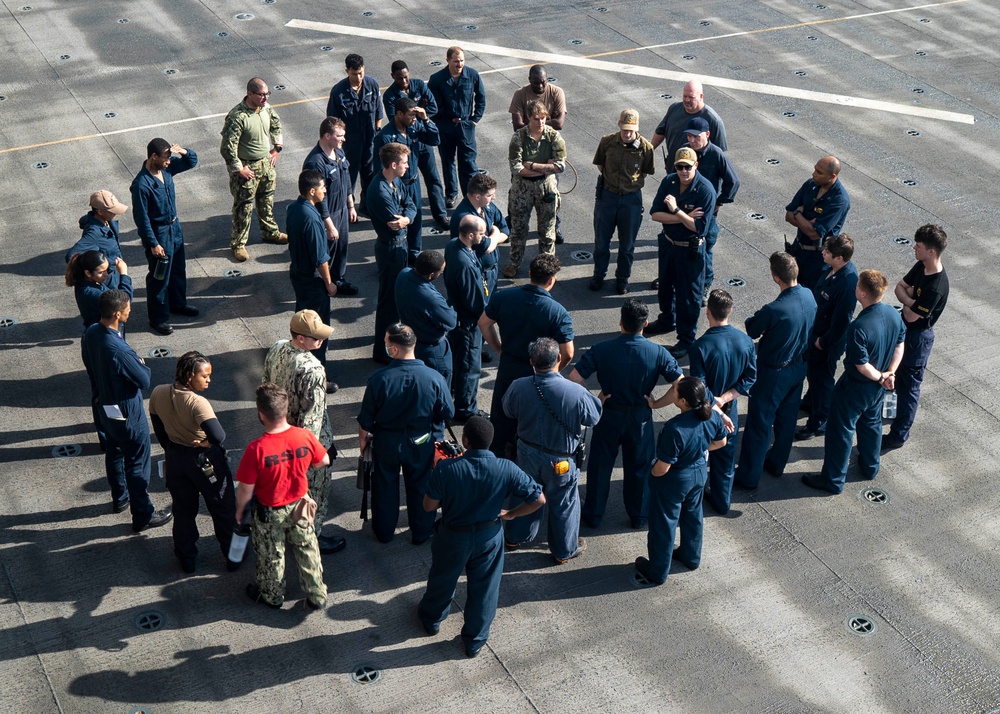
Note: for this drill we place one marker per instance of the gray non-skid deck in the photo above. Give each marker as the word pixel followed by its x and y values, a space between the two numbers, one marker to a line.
pixel 762 626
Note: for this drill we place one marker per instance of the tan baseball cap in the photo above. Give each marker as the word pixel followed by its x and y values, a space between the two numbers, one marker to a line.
pixel 629 119
pixel 106 201
pixel 685 155
pixel 308 323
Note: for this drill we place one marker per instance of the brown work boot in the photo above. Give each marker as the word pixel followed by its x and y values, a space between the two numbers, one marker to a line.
pixel 240 254
pixel 280 239
pixel 510 271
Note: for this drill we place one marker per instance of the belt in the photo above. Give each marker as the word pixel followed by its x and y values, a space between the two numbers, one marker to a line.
pixel 532 178
pixel 678 243
pixel 252 161
pixel 621 193
pixel 435 343
pixel 780 366
pixel 550 452
pixel 410 182
pixel 625 407
pixel 803 246
pixel 474 528
pixel 167 223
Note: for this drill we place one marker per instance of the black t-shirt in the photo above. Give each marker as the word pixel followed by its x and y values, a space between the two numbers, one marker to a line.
pixel 931 293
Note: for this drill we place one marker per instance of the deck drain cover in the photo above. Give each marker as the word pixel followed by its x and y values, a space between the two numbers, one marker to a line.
pixel 366 674
pixel 436 231
pixel 141 709
pixel 876 496
pixel 123 21
pixel 66 451
pixel 773 162
pixel 368 13
pixel 233 273
pixel 3 97
pixel 789 115
pixel 159 352
pixel 705 23
pixel 688 57
pixel 110 115
pixel 245 16
pixel 8 321
pixel 279 87
pixel 800 73
pixel 576 42
pixel 581 255
pixel 40 165
pixel 861 625
pixel 912 132
pixel 908 182
pixel 902 240
pixel 149 620
pixel 640 581
pixel 222 34
pixel 26 8
pixel 65 57
pixel 485 172
pixel 326 48
pixel 812 38
pixel 553 79
pixel 268 2
pixel 917 90
pixel 820 7
pixel 920 53
pixel 602 9
pixel 435 63
pixel 471 28
pixel 756 216
pixel 736 282
pixel 666 96
pixel 170 71
pixel 924 19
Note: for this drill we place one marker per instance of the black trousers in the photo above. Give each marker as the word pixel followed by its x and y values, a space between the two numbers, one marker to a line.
pixel 186 483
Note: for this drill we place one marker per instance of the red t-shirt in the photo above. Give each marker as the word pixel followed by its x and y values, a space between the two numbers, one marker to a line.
pixel 276 465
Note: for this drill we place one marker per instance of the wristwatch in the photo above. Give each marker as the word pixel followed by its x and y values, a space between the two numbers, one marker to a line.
pixel 278 148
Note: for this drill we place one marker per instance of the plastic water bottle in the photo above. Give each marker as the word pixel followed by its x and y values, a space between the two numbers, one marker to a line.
pixel 160 270
pixel 889 406
pixel 238 546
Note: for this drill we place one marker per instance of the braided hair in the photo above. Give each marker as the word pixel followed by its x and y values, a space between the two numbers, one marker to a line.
pixel 692 391
pixel 188 365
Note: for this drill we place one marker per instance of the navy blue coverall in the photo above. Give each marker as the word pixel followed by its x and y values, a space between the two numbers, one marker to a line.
pixel 404 409
pixel 681 272
pixel 419 92
pixel 472 490
pixel 835 302
pixel 784 326
pixel 386 200
pixel 724 358
pixel 463 279
pixel 416 137
pixel 154 206
pixel 857 400
pixel 523 314
pixel 307 248
pixel 675 497
pixel 424 309
pixel 118 376
pixel 336 175
pixel 359 111
pixel 830 211
pixel 628 368
pixel 464 99
pixel 492 216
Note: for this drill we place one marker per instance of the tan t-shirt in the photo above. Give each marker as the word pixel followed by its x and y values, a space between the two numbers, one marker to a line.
pixel 182 413
pixel 553 98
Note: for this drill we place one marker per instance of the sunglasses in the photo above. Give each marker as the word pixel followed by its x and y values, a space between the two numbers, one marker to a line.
pixel 262 94
pixel 683 167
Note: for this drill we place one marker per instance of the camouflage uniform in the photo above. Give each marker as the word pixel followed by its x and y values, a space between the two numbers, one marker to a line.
pixel 269 543
pixel 527 194
pixel 300 374
pixel 247 133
